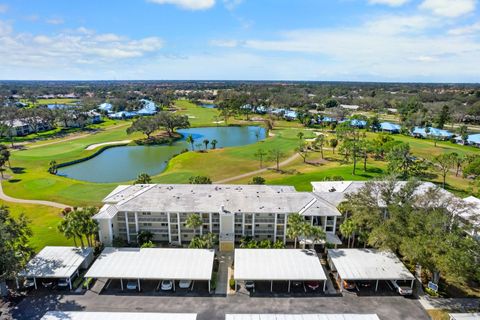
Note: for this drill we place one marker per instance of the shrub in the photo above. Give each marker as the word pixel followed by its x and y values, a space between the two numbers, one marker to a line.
pixel 232 284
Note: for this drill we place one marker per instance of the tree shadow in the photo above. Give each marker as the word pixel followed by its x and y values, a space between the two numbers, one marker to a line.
pixel 18 170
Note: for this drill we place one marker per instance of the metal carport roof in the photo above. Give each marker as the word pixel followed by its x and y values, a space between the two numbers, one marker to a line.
pixel 368 264
pixel 301 317
pixel 277 264
pixel 56 262
pixel 153 263
pixel 78 315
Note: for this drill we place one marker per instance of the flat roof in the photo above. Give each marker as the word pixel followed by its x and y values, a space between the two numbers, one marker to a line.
pixel 368 264
pixel 237 199
pixel 343 316
pixel 277 264
pixel 153 263
pixel 80 315
pixel 56 262
pixel 465 316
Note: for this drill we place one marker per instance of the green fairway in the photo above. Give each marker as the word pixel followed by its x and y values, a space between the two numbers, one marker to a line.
pixel 198 116
pixel 44 222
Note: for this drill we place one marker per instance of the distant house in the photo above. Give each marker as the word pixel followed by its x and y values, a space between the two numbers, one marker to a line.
pixel 441 134
pixel 59 106
pixel 326 120
pixel 123 115
pixel 106 107
pixel 390 127
pixel 261 109
pixel 20 104
pixel 349 106
pixel 290 115
pixel 358 123
pixel 22 128
pixel 472 139
pixel 149 108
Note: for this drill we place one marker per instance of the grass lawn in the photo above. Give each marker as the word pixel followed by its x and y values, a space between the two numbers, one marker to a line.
pixel 44 221
pixel 198 116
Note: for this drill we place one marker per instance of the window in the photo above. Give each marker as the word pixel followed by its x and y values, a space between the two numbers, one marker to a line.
pixel 146 213
pixel 147 224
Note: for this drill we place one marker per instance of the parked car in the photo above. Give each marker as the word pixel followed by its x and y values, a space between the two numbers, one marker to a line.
pixel 167 285
pixel 29 283
pixel 250 285
pixel 314 285
pixel 47 284
pixel 347 285
pixel 185 284
pixel 403 290
pixel 364 284
pixel 63 283
pixel 132 285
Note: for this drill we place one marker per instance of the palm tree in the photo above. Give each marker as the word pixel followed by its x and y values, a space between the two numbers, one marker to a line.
pixel 143 178
pixel 206 142
pixel 347 229
pixel 191 140
pixel 214 143
pixel 194 221
pixel 295 227
pixel 53 168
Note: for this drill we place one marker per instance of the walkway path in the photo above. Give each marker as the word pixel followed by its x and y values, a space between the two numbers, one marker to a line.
pixel 251 173
pixel 72 137
pixel 4 197
pixel 94 146
pixel 225 259
pixel 464 304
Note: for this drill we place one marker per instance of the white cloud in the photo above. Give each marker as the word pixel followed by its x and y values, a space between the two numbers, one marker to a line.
pixel 225 43
pixel 55 21
pixel 3 8
pixel 188 4
pixel 392 3
pixel 449 8
pixel 474 28
pixel 232 4
pixel 69 48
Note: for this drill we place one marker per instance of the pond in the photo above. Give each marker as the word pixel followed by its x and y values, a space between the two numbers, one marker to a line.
pixel 127 162
pixel 208 105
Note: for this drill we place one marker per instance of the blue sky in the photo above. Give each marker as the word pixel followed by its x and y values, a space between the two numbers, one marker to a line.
pixel 343 40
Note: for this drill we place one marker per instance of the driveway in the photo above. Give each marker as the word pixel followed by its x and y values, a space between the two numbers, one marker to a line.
pixel 215 308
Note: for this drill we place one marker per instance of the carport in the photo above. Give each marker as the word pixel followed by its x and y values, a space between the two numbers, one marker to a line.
pixel 346 316
pixel 465 316
pixel 153 264
pixel 278 265
pixel 79 315
pixel 57 263
pixel 367 265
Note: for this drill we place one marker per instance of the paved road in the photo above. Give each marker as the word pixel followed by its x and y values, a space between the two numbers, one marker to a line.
pixel 4 197
pixel 215 308
pixel 450 303
pixel 251 173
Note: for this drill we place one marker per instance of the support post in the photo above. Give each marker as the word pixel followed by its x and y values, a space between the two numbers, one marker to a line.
pixel 341 285
pixel 127 227
pixel 121 283
pixel 35 283
pixel 289 286
pixel 169 228
pixel 173 285
pixel 253 225
pixel 243 224
pixel 271 285
pixel 324 285
pixel 179 225
pixel 275 229
pixel 376 286
pixel 70 283
pixel 139 288
pixel 16 281
pixel 235 285
pixel 411 285
pixel 210 222
pixel 193 283
pixel 137 229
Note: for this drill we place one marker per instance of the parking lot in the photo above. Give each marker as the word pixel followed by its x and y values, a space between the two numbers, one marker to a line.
pixel 215 308
pixel 152 288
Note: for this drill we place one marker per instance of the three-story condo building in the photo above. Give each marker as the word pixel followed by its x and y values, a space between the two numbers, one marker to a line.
pixel 229 211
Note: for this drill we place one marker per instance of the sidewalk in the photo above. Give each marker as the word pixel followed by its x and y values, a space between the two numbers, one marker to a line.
pixel 225 260
pixel 457 304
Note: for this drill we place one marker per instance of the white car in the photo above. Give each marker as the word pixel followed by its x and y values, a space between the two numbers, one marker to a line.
pixel 132 285
pixel 167 285
pixel 29 283
pixel 402 290
pixel 63 283
pixel 185 284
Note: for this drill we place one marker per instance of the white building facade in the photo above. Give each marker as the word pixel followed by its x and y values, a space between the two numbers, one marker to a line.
pixel 229 211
